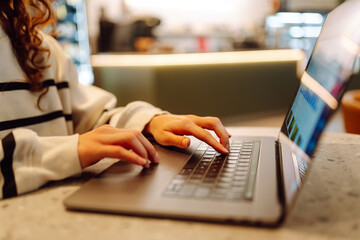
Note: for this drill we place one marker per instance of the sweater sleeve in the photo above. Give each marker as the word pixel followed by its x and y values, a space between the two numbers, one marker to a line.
pixel 93 107
pixel 29 161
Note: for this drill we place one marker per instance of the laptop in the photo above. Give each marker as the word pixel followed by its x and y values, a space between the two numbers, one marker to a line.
pixel 258 181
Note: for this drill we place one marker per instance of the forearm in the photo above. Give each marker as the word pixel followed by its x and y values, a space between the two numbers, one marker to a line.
pixel 136 115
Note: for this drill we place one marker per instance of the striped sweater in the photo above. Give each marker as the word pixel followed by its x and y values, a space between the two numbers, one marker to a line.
pixel 40 145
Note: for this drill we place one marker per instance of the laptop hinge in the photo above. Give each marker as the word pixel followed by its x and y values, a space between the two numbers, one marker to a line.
pixel 280 179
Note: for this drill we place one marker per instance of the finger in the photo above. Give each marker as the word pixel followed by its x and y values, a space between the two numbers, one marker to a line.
pixel 153 156
pixel 132 139
pixel 212 123
pixel 205 136
pixel 170 139
pixel 114 151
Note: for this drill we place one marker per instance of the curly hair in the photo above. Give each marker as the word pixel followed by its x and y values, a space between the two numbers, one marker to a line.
pixel 21 20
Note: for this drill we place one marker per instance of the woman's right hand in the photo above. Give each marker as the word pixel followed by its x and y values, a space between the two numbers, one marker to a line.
pixel 107 141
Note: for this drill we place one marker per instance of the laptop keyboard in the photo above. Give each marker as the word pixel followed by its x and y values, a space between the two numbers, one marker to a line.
pixel 302 168
pixel 209 174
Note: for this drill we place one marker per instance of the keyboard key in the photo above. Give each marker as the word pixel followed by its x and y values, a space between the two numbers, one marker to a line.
pixel 246 150
pixel 202 192
pixel 243 164
pixel 233 155
pixel 217 163
pixel 225 179
pixel 196 176
pixel 209 180
pixel 234 150
pixel 194 181
pixel 240 178
pixel 178 181
pixel 245 154
pixel 181 177
pixel 241 173
pixel 187 189
pixel 226 175
pixel 241 168
pixel 203 166
pixel 212 175
pixel 223 185
pixel 236 147
pixel 209 156
pixel 186 172
pixel 200 171
pixel 206 160
pixel 215 169
pixel 229 170
pixel 238 184
pixel 218 193
pixel 229 165
pixel 231 161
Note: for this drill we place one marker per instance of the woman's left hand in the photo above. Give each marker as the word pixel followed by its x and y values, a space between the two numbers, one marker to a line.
pixel 169 130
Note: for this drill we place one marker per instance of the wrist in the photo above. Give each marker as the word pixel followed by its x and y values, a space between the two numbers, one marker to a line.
pixel 148 129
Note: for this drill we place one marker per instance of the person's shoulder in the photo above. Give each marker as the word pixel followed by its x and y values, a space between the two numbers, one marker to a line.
pixel 55 48
pixel 61 64
pixel 49 41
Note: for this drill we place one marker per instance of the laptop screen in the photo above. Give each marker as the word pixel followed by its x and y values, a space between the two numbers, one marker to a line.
pixel 324 80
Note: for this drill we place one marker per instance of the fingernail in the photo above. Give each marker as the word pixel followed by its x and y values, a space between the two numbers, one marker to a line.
pixel 226 150
pixel 147 164
pixel 142 161
pixel 156 158
pixel 227 146
pixel 185 142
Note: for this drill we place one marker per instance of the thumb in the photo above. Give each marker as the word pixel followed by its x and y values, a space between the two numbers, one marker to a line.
pixel 170 139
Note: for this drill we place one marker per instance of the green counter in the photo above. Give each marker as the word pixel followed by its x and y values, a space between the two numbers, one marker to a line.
pixel 226 85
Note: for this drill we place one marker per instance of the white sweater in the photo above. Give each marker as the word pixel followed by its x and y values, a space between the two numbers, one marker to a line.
pixel 38 146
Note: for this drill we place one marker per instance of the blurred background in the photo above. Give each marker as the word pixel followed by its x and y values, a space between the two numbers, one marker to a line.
pixel 240 60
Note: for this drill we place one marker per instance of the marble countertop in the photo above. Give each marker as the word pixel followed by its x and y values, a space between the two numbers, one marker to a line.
pixel 328 207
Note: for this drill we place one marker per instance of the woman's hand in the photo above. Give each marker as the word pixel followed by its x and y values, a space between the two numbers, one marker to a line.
pixel 168 130
pixel 107 141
